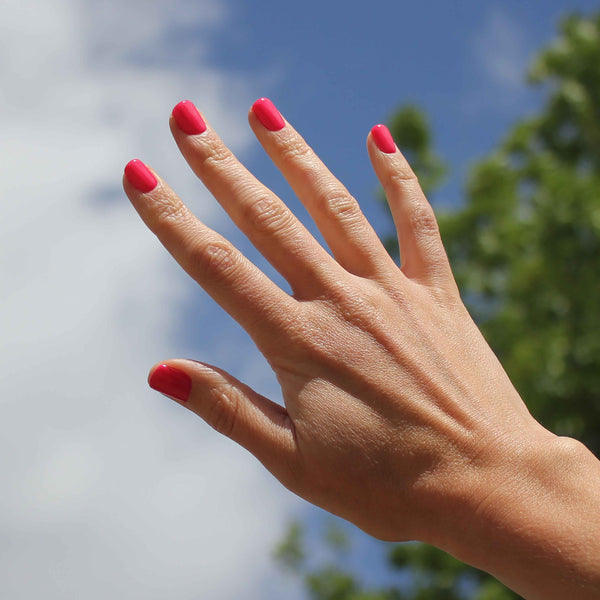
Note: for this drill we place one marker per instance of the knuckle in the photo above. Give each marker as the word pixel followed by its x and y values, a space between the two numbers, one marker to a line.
pixel 295 151
pixel 267 216
pixel 224 410
pixel 303 334
pixel 215 259
pixel 167 213
pixel 444 295
pixel 338 204
pixel 423 221
pixel 340 292
pixel 353 306
pixel 402 178
pixel 217 158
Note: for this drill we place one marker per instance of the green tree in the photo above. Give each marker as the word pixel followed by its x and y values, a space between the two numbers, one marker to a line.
pixel 525 249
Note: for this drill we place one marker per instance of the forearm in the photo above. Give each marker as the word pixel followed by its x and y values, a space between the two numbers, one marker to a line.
pixel 539 530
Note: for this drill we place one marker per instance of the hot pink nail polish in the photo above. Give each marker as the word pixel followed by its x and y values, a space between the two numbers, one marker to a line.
pixel 188 118
pixel 171 381
pixel 383 139
pixel 268 115
pixel 140 176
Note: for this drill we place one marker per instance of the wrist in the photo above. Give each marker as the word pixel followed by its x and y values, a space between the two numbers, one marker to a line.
pixel 532 519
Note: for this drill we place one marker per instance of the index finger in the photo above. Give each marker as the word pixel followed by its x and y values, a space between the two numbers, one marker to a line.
pixel 243 290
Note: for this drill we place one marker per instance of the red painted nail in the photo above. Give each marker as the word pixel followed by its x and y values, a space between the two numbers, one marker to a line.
pixel 268 114
pixel 383 138
pixel 171 381
pixel 140 176
pixel 188 118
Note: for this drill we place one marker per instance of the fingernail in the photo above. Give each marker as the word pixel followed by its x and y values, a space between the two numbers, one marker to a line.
pixel 171 382
pixel 188 118
pixel 383 139
pixel 268 115
pixel 140 176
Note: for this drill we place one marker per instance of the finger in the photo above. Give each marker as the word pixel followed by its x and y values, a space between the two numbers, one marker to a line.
pixel 232 280
pixel 233 409
pixel 336 213
pixel 421 250
pixel 258 212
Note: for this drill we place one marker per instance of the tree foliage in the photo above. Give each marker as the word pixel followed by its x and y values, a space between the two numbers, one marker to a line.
pixel 525 249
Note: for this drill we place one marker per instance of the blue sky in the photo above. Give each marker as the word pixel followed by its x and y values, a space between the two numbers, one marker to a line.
pixel 339 68
pixel 109 490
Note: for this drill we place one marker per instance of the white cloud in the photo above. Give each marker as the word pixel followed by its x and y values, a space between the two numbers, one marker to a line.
pixel 108 489
pixel 501 50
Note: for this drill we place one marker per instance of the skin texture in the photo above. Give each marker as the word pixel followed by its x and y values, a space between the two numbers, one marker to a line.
pixel 398 416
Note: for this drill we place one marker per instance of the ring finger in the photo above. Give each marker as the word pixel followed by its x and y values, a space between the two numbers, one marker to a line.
pixel 336 213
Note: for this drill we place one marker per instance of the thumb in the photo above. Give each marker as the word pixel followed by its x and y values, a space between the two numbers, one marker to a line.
pixel 235 410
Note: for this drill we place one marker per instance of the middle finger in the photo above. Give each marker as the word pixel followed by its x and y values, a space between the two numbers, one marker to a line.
pixel 256 210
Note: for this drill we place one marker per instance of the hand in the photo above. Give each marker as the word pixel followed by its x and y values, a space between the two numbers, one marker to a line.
pixel 398 416
pixel 392 397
